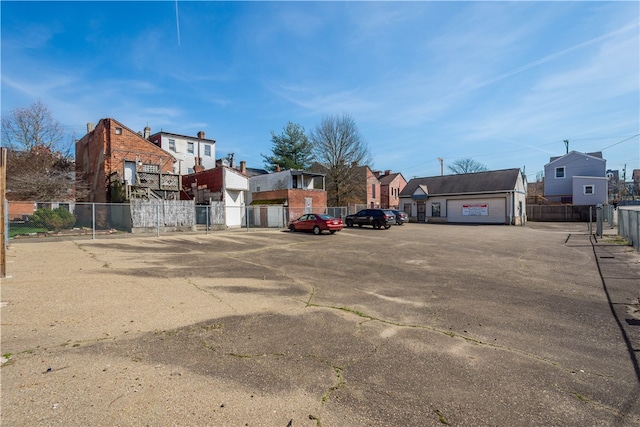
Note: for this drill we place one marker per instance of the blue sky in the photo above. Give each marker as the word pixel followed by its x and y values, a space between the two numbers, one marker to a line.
pixel 503 83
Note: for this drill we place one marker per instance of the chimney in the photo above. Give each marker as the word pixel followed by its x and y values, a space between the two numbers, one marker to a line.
pixel 198 166
pixel 387 172
pixel 377 174
pixel 243 167
pixel 147 132
pixel 90 127
pixel 278 168
pixel 201 134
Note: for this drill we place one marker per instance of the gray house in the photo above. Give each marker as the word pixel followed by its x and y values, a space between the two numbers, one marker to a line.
pixel 491 197
pixel 576 178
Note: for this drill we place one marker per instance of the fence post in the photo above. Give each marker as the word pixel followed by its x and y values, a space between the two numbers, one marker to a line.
pixel 93 221
pixel 208 212
pixel 158 219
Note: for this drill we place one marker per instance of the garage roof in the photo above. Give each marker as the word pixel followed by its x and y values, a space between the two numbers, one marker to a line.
pixel 468 183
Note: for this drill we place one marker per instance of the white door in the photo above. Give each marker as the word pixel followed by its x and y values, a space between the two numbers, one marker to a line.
pixel 130 172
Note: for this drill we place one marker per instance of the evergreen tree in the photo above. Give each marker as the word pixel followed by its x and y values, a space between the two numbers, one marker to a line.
pixel 291 149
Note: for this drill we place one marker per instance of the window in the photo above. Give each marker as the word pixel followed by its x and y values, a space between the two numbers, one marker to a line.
pixel 190 147
pixel 150 168
pixel 588 189
pixel 172 145
pixel 118 131
pixel 207 150
pixel 435 210
pixel 560 172
pixel 373 191
pixel 189 170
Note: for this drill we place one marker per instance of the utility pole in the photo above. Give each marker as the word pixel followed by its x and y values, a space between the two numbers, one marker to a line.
pixel 566 146
pixel 441 160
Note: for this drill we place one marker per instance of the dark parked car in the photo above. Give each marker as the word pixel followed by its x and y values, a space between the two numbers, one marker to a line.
pixel 401 217
pixel 377 218
pixel 316 223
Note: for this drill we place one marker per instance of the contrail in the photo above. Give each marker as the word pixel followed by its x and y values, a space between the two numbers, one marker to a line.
pixel 553 56
pixel 177 23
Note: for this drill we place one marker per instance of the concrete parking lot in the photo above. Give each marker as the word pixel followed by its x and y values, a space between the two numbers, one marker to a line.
pixel 418 325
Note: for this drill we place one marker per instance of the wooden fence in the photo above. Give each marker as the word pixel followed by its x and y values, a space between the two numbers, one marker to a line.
pixel 559 213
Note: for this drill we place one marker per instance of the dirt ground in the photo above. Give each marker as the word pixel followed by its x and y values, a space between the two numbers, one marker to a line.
pixel 418 325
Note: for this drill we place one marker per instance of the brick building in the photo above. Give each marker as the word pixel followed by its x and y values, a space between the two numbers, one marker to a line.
pixel 117 164
pixel 301 191
pixel 391 184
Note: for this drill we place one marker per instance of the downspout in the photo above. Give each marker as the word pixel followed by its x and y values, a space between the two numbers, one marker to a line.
pixel 511 207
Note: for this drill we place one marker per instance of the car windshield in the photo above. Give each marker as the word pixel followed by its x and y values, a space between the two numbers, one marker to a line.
pixel 325 216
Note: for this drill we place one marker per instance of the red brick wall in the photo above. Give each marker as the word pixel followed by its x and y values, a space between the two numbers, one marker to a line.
pixel 295 199
pixel 103 152
pixel 373 196
pixel 391 191
pixel 90 163
pixel 211 178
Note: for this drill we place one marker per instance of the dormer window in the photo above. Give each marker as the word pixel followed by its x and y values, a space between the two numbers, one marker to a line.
pixel 560 172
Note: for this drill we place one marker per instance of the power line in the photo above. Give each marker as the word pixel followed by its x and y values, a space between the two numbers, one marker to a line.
pixel 620 142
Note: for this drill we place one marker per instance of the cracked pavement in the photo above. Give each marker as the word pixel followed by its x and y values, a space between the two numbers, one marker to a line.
pixel 419 325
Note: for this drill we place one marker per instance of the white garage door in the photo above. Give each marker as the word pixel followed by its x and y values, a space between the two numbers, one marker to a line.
pixel 486 211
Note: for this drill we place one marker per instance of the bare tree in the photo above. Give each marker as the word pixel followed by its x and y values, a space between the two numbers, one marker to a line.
pixel 466 166
pixel 33 127
pixel 340 149
pixel 39 167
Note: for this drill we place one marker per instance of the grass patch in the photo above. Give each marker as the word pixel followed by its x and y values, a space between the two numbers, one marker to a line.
pixel 441 417
pixel 615 239
pixel 580 397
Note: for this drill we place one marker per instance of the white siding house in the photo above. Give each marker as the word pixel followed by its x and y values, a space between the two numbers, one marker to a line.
pixel 186 149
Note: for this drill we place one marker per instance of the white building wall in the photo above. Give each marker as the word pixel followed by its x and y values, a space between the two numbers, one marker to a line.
pixel 484 210
pixel 236 187
pixel 185 160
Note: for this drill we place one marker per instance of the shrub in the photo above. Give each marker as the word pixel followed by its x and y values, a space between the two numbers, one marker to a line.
pixel 56 219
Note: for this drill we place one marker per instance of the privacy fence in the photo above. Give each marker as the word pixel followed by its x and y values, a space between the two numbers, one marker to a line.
pixel 57 219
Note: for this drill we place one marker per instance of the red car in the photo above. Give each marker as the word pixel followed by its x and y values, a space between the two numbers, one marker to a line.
pixel 316 223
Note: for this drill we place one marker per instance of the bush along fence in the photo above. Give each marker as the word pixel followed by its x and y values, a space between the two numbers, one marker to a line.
pixel 57 219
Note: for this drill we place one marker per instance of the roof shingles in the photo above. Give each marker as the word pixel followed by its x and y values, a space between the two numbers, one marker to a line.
pixel 468 183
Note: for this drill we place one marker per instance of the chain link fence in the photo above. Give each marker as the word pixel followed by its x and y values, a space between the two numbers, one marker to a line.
pixel 629 224
pixel 152 217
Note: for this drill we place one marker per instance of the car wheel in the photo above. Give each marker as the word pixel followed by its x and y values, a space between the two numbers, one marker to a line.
pixel 387 226
pixel 349 223
pixel 316 230
pixel 292 227
pixel 332 231
pixel 376 224
pixel 359 225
